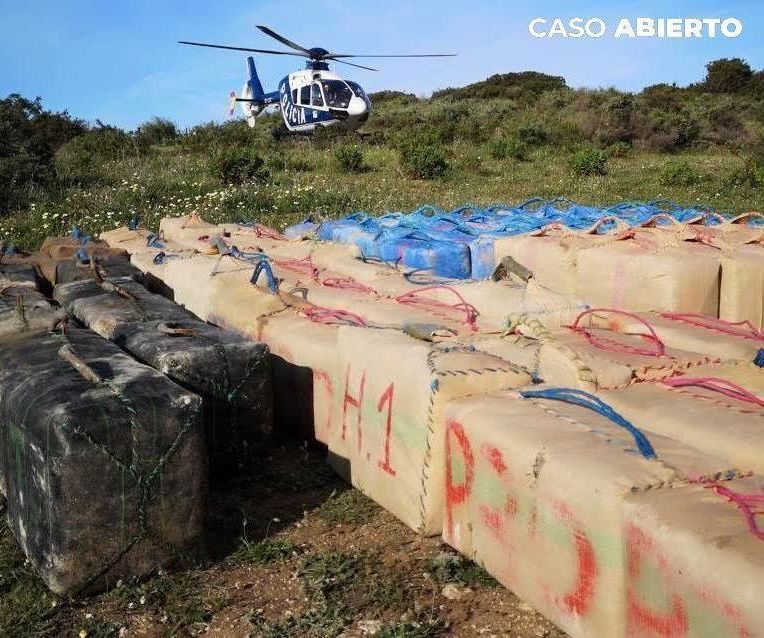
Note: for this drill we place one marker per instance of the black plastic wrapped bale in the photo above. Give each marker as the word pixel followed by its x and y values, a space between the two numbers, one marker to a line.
pixel 231 373
pixel 24 309
pixel 109 267
pixel 103 459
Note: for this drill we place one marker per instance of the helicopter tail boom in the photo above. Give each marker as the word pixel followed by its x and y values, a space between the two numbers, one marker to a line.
pixel 256 88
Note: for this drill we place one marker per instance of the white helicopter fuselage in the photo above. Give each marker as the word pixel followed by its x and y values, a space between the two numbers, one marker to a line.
pixel 310 99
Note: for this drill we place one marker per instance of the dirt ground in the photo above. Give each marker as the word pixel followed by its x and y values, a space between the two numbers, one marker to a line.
pixel 292 552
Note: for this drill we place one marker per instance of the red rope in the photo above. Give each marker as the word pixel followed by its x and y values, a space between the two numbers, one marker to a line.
pixel 715 384
pixel 751 505
pixel 470 312
pixel 610 345
pixel 720 325
pixel 347 283
pixel 303 266
pixel 264 231
pixel 320 314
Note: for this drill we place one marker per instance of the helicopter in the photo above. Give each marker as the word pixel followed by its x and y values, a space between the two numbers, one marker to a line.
pixel 310 98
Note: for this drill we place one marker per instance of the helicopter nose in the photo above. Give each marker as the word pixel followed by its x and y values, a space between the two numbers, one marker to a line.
pixel 357 107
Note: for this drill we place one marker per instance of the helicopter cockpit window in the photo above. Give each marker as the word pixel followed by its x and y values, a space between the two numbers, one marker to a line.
pixel 337 93
pixel 294 96
pixel 305 96
pixel 357 89
pixel 317 98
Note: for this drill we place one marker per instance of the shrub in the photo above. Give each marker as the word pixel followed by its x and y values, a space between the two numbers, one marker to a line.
pixel 156 131
pixel 423 160
pixel 589 161
pixel 508 147
pixel 619 149
pixel 532 135
pixel 728 76
pixel 81 159
pixel 350 158
pixel 29 139
pixel 237 165
pixel 680 174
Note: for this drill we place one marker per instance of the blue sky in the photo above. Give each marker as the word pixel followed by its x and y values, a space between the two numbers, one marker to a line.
pixel 118 61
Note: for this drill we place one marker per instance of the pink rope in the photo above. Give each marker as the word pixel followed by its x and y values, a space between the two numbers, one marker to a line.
pixel 347 283
pixel 610 345
pixel 727 388
pixel 751 505
pixel 264 231
pixel 470 312
pixel 320 314
pixel 303 266
pixel 720 325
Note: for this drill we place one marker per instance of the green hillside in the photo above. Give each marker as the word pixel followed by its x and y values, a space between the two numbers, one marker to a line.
pixel 506 138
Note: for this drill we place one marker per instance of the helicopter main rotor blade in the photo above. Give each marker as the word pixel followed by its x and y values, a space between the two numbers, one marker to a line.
pixel 230 48
pixel 360 66
pixel 282 39
pixel 413 55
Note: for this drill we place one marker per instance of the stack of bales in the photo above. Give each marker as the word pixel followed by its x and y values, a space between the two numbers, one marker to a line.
pixel 121 385
pixel 586 430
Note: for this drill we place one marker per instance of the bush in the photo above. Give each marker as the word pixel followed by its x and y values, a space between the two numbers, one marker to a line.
pixel 619 149
pixel 680 174
pixel 728 76
pixel 350 158
pixel 508 147
pixel 29 139
pixel 589 161
pixel 532 135
pixel 423 160
pixel 156 131
pixel 237 165
pixel 81 160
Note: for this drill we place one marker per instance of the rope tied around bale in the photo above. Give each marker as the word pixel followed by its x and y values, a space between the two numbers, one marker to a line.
pixel 591 402
pixel 470 312
pixel 320 314
pixel 347 283
pixel 715 384
pixel 743 329
pixel 304 266
pixel 611 345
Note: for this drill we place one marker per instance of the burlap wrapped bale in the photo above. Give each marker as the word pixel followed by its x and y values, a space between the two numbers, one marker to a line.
pixel 535 492
pixel 706 419
pixel 653 270
pixel 685 331
pixel 191 231
pixel 393 393
pixel 229 372
pixel 103 459
pixel 694 562
pixel 742 290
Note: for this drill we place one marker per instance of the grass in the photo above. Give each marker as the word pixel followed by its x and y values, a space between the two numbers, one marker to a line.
pixel 27 608
pixel 264 552
pixel 349 507
pixel 452 568
pixel 174 181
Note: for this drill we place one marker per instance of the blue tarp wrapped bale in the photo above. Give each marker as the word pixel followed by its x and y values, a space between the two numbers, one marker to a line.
pixel 103 459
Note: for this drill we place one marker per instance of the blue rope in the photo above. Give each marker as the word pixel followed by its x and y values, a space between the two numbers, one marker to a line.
pixel 759 359
pixel 263 266
pixel 135 222
pixel 246 256
pixel 152 241
pixel 82 250
pixel 589 401
pixel 75 233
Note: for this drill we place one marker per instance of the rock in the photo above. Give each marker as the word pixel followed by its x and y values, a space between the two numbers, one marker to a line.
pixel 370 627
pixel 452 591
pixel 103 460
